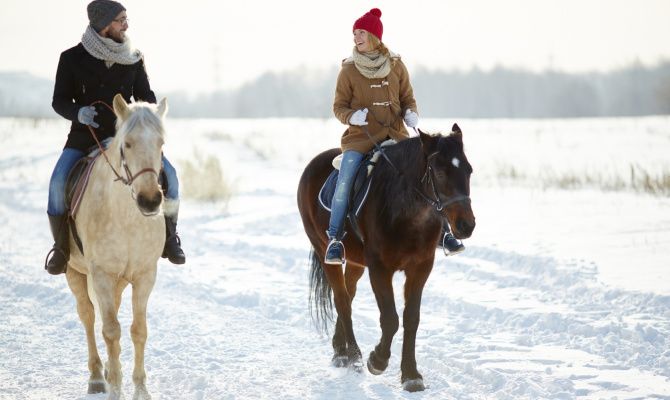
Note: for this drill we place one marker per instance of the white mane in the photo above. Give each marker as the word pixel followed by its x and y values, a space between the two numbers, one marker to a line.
pixel 141 115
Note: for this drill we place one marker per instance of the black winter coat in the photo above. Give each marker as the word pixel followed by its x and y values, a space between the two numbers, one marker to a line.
pixel 82 79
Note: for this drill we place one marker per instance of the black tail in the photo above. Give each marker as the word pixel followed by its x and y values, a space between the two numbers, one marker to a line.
pixel 320 295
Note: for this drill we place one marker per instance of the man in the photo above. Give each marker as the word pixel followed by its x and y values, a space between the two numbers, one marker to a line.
pixel 99 67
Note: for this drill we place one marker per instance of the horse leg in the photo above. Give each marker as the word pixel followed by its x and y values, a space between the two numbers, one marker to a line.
pixel 106 289
pixel 117 303
pixel 142 287
pixel 78 286
pixel 120 287
pixel 381 280
pixel 343 306
pixel 339 342
pixel 411 379
pixel 351 276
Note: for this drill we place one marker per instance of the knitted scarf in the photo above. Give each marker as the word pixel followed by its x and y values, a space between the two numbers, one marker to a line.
pixel 372 65
pixel 108 50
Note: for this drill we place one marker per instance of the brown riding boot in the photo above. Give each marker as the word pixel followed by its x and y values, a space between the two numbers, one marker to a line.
pixel 60 252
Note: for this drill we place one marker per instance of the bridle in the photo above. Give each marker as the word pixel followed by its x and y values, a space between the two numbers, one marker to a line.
pixel 439 205
pixel 436 201
pixel 129 178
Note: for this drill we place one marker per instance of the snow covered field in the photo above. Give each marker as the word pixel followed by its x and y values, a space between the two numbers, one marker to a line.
pixel 563 292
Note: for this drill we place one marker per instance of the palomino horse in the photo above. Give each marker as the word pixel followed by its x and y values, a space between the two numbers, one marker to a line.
pixel 419 182
pixel 122 232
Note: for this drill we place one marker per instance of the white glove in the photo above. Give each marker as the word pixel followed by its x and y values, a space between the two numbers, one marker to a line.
pixel 359 117
pixel 86 115
pixel 411 118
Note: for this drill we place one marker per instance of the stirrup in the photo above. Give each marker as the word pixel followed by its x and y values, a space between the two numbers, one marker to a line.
pixel 456 247
pixel 335 259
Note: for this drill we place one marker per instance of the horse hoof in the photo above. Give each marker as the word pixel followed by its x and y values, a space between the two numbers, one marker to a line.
pixel 414 385
pixel 376 365
pixel 141 394
pixel 114 395
pixel 96 387
pixel 339 361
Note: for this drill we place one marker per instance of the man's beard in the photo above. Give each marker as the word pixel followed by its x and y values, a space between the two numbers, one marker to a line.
pixel 118 37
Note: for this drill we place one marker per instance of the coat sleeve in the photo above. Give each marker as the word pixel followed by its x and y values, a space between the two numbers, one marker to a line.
pixel 64 91
pixel 406 92
pixel 343 95
pixel 141 88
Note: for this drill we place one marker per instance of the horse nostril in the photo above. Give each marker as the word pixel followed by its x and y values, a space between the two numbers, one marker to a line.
pixel 465 226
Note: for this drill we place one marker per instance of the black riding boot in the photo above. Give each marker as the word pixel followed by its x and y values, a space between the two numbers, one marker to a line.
pixel 60 253
pixel 172 250
pixel 449 243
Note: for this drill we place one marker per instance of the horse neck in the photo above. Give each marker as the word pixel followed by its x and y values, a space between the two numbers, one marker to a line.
pixel 400 181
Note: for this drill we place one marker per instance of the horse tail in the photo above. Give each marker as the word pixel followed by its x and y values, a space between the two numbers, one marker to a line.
pixel 320 295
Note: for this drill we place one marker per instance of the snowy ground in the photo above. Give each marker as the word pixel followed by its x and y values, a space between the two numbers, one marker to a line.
pixel 560 294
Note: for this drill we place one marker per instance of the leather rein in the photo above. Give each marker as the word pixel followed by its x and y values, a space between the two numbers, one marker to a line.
pixel 129 178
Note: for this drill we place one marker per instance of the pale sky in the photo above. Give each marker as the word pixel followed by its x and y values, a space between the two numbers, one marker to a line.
pixel 198 45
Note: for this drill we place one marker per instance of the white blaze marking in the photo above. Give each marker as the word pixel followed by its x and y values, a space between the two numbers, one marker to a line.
pixel 455 162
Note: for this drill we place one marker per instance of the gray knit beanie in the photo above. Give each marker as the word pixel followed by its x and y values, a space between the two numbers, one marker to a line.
pixel 102 12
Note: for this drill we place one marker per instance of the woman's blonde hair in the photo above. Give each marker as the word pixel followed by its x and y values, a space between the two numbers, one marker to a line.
pixel 378 45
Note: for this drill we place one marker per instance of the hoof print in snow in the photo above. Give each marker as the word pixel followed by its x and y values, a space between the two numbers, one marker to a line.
pixel 356 366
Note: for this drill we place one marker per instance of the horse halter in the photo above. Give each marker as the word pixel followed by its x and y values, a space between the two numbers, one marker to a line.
pixel 438 203
pixel 128 180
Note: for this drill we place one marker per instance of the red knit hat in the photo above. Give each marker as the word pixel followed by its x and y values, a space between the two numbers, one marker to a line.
pixel 370 22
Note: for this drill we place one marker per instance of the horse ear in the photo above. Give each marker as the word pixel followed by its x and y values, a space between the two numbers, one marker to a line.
pixel 120 107
pixel 428 143
pixel 456 129
pixel 163 107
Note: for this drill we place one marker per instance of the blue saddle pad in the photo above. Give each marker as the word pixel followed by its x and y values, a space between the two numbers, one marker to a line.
pixel 358 193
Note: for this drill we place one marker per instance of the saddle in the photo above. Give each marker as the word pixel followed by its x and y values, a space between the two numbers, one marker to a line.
pixel 75 186
pixel 359 191
pixel 77 180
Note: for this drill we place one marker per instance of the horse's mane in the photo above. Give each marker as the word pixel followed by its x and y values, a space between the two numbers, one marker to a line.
pixel 396 190
pixel 141 114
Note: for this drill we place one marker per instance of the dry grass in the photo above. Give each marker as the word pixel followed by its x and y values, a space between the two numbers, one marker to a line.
pixel 638 179
pixel 644 181
pixel 204 180
pixel 262 147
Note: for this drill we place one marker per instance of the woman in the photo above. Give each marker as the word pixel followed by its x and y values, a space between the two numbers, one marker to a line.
pixel 373 96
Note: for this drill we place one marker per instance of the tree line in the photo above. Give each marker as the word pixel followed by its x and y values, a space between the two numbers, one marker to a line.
pixel 636 90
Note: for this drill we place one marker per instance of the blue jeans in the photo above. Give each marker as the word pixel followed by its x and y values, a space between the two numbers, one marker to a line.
pixel 350 161
pixel 172 181
pixel 67 160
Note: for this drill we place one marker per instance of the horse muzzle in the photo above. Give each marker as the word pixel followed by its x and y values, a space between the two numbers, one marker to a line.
pixel 463 228
pixel 149 205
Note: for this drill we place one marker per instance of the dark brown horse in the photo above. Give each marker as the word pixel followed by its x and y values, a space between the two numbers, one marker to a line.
pixel 418 183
